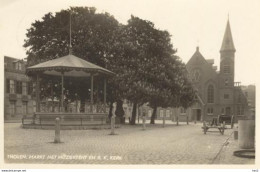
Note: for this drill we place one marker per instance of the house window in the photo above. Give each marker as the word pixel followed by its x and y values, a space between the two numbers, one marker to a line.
pixel 24 90
pixel 183 111
pixel 18 66
pixel 210 111
pixel 161 113
pixel 12 87
pixel 226 96
pixel 227 69
pixel 19 87
pixel 167 113
pixel 210 94
pixel 7 86
pixel 149 113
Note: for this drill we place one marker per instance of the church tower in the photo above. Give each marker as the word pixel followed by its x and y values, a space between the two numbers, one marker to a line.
pixel 227 59
pixel 227 73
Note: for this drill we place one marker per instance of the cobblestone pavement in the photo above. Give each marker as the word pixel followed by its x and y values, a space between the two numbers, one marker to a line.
pixel 183 144
pixel 226 154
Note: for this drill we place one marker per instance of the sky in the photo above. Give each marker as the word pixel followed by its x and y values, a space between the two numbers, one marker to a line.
pixel 191 23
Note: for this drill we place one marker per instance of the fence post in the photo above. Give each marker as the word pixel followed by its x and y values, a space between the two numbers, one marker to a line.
pixel 187 118
pixel 232 121
pixel 112 125
pixel 177 119
pixel 204 127
pixel 164 118
pixel 143 122
pixel 223 127
pixel 57 130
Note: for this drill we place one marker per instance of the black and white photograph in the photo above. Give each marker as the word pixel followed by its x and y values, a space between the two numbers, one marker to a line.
pixel 128 83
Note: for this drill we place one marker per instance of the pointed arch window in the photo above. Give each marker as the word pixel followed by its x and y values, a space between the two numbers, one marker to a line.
pixel 210 94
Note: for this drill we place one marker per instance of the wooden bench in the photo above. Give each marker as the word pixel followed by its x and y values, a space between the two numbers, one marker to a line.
pixel 221 128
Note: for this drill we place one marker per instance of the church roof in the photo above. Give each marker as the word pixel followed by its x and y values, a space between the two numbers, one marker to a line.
pixel 227 43
pixel 74 66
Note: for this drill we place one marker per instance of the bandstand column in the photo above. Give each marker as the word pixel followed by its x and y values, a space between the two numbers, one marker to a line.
pixel 52 98
pixel 37 93
pixel 105 91
pixel 62 88
pixel 92 91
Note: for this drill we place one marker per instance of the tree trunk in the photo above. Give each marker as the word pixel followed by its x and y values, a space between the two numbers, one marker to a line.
pixel 133 114
pixel 120 111
pixel 153 115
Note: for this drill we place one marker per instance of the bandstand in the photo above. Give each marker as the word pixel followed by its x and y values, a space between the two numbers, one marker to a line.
pixel 92 115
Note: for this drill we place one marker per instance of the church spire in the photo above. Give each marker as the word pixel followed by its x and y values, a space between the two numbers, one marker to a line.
pixel 227 43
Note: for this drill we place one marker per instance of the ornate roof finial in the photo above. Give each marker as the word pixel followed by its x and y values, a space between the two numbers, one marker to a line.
pixel 197 48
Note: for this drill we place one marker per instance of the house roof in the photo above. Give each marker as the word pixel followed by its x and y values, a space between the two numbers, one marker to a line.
pixel 70 65
pixel 198 59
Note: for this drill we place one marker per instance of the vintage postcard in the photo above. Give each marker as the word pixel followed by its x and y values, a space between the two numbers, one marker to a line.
pixel 132 84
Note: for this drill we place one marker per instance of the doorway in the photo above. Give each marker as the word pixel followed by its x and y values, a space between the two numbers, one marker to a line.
pixel 198 115
pixel 228 111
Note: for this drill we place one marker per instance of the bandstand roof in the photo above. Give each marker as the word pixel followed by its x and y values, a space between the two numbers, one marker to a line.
pixel 71 66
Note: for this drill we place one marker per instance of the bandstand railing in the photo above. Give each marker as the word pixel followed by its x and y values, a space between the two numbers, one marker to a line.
pixel 94 115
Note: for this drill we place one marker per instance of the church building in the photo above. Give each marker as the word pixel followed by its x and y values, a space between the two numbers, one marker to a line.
pixel 216 91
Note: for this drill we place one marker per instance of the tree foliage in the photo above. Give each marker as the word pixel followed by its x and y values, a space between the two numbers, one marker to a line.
pixel 141 56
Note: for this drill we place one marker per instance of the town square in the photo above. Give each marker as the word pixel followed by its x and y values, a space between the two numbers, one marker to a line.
pixel 89 83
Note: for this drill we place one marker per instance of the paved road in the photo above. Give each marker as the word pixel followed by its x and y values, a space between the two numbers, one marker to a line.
pixel 183 144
